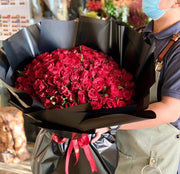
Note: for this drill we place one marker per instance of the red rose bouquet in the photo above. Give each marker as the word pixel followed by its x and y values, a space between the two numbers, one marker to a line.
pixel 66 78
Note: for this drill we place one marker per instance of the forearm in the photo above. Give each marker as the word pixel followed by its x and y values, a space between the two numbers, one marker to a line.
pixel 142 124
pixel 166 111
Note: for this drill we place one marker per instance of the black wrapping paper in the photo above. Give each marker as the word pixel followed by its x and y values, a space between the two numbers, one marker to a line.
pixel 124 44
pixel 49 157
pixel 128 49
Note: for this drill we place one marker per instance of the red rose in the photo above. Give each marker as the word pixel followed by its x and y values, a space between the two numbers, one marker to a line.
pixel 41 95
pixel 93 94
pixel 114 91
pixel 84 75
pixel 66 80
pixel 130 84
pixel 49 80
pixel 74 77
pixel 96 105
pixel 103 71
pixel 58 99
pixel 98 84
pixel 116 74
pixel 19 86
pixel 110 103
pixel 121 103
pixel 127 95
pixel 113 65
pixel 53 70
pixel 48 103
pixel 20 80
pixel 28 90
pixel 86 84
pixel 85 63
pixel 82 96
pixel 57 80
pixel 66 92
pixel 68 104
pixel 39 73
pixel 75 86
pixel 97 63
pixel 39 86
pixel 93 72
pixel 51 91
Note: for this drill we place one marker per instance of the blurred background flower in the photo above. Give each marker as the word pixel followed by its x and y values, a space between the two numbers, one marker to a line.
pixel 137 17
pixel 128 11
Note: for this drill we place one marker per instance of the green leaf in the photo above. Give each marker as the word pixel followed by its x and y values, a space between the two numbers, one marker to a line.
pixel 63 103
pixel 80 48
pixel 51 98
pixel 120 87
pixel 104 89
pixel 81 58
pixel 65 98
pixel 71 99
pixel 54 103
pixel 20 73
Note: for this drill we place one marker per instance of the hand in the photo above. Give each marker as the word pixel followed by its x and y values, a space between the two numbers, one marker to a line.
pixel 99 132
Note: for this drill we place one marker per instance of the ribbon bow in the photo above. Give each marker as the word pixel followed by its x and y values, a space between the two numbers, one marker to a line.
pixel 75 143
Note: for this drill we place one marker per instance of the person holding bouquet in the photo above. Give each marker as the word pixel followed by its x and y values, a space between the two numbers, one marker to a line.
pixel 153 146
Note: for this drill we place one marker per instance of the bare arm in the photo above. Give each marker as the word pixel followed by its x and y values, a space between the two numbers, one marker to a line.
pixel 167 111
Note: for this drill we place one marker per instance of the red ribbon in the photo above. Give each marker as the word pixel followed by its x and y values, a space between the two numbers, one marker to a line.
pixel 75 143
pixel 84 143
pixel 57 139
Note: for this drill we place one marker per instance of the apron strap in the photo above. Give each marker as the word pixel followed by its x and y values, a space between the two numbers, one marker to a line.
pixel 158 67
pixel 153 90
pixel 159 61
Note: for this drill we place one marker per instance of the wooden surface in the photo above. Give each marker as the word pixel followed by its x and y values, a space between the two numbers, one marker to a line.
pixel 19 168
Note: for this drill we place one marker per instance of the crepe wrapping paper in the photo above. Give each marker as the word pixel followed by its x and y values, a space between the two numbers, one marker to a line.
pixel 125 45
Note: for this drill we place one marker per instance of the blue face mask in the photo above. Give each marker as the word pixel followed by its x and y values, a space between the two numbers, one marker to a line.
pixel 150 8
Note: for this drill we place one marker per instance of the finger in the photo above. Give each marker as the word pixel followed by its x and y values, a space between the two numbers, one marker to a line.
pixel 96 138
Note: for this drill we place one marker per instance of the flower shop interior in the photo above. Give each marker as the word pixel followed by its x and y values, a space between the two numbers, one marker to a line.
pixel 18 133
